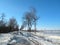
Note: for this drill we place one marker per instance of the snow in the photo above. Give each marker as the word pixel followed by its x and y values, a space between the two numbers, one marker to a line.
pixel 27 38
pixel 51 39
pixel 4 38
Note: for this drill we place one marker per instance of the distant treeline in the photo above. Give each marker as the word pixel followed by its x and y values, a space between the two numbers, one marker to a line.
pixel 7 29
pixel 8 26
pixel 28 20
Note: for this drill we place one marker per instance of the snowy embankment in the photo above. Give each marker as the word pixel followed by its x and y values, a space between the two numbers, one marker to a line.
pixel 27 38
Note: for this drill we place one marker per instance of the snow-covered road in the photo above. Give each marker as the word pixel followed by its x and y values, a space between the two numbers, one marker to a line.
pixel 27 38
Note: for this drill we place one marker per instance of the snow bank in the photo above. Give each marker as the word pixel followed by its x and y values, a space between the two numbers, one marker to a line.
pixel 4 38
pixel 54 40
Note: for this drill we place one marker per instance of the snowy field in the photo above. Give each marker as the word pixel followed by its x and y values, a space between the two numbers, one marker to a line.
pixel 27 38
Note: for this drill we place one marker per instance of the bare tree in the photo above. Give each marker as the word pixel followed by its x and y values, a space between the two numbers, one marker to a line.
pixel 34 16
pixel 13 23
pixel 2 22
pixel 30 18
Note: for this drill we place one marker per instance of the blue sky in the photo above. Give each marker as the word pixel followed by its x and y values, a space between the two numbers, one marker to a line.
pixel 47 10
